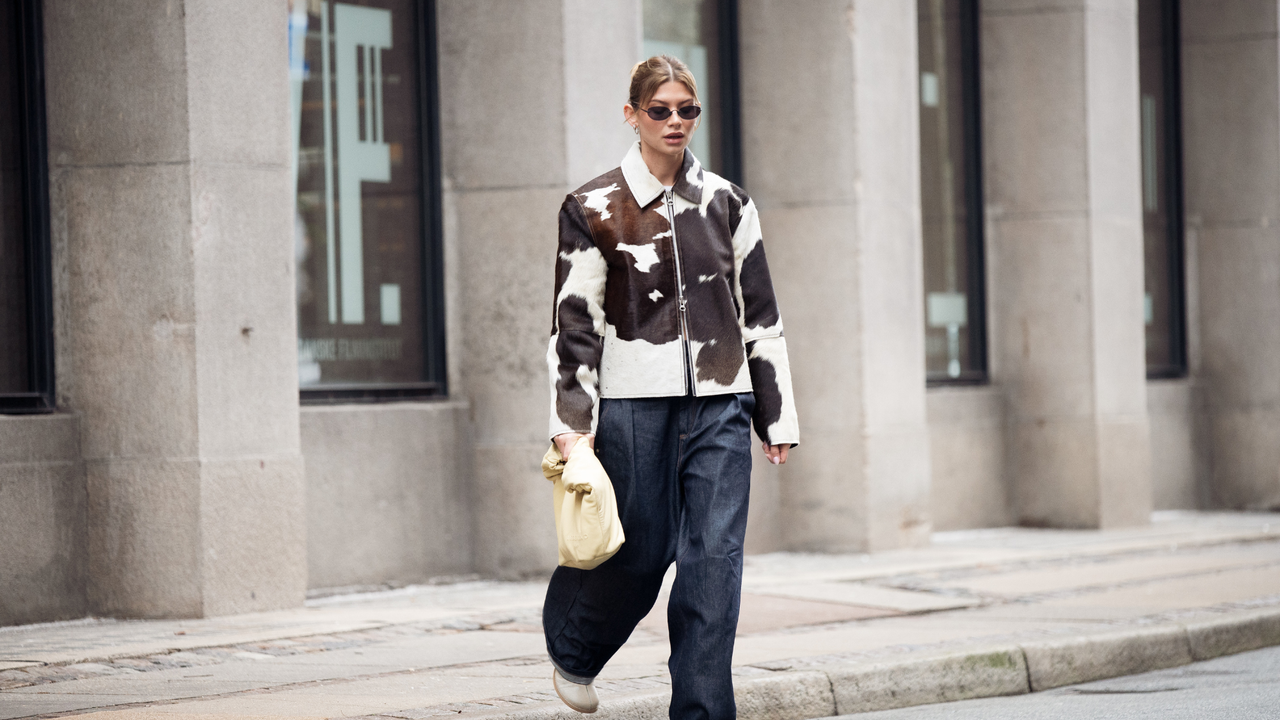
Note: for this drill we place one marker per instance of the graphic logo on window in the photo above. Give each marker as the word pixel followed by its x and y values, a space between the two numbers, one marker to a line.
pixel 359 201
pixel 359 35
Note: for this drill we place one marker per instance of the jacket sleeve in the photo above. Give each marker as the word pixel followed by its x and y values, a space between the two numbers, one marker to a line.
pixel 775 414
pixel 577 325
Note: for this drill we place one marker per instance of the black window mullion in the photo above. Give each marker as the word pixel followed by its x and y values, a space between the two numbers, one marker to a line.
pixel 1174 195
pixel 730 92
pixel 39 396
pixel 432 208
pixel 976 253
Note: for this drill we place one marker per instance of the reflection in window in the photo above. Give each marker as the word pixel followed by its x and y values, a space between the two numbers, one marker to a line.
pixel 1161 187
pixel 950 190
pixel 362 214
pixel 703 33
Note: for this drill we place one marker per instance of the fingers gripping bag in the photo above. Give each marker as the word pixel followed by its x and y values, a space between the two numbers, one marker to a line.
pixel 586 508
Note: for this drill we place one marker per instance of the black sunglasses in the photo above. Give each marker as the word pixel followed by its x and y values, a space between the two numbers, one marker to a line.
pixel 659 113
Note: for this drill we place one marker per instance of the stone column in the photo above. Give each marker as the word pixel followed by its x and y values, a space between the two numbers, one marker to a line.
pixel 1062 163
pixel 176 338
pixel 1231 140
pixel 831 150
pixel 531 103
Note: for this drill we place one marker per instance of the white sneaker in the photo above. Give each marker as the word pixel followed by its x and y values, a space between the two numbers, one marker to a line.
pixel 577 696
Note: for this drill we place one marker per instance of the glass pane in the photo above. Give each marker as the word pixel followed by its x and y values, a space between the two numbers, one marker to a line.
pixel 14 376
pixel 689 30
pixel 358 230
pixel 943 192
pixel 1158 226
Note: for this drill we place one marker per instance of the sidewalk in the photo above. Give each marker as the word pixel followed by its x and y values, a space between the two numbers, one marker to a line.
pixel 978 613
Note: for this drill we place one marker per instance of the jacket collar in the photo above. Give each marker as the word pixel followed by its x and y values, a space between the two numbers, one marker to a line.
pixel 646 188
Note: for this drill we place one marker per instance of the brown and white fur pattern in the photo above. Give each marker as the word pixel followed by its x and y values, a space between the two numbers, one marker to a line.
pixel 616 329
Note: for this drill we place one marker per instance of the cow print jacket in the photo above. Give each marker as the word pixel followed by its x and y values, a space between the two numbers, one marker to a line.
pixel 643 305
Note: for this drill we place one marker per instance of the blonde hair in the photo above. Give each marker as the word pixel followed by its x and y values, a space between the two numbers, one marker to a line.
pixel 649 75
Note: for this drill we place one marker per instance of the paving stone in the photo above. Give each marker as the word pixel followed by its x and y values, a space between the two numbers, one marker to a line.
pixel 870 596
pixel 765 613
pixel 1052 577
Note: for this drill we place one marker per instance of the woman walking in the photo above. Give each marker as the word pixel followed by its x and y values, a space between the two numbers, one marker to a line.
pixel 666 343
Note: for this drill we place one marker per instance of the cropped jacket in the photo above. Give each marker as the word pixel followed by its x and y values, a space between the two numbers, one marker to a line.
pixel 646 305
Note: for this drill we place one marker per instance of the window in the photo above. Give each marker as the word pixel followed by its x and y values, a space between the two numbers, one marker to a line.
pixel 704 34
pixel 1161 187
pixel 951 192
pixel 367 227
pixel 26 347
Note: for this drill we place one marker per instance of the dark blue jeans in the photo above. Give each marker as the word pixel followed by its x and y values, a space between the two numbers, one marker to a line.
pixel 681 468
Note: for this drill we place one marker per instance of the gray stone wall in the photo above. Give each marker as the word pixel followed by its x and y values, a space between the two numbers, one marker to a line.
pixel 388 493
pixel 830 120
pixel 1061 158
pixel 169 164
pixel 970 488
pixel 531 98
pixel 1179 456
pixel 1231 85
pixel 42 520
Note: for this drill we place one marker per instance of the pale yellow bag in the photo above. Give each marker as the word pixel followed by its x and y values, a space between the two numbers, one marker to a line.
pixel 587 523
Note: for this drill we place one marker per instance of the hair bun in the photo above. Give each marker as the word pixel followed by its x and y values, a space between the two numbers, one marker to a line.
pixel 648 75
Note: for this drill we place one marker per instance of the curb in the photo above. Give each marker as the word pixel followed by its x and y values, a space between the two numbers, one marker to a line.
pixel 987 671
pixel 960 675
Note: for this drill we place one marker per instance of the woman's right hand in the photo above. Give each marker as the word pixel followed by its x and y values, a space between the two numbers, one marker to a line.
pixel 566 441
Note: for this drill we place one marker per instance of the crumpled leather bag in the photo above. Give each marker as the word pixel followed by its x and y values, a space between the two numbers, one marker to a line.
pixel 587 523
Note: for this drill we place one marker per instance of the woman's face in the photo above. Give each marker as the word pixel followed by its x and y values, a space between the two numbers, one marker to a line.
pixel 670 136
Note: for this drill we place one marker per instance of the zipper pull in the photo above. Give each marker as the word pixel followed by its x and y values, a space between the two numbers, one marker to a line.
pixel 682 304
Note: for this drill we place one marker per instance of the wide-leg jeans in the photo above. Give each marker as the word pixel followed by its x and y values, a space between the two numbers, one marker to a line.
pixel 681 468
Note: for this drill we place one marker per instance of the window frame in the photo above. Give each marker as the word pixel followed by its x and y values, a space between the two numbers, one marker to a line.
pixel 1171 37
pixel 41 398
pixel 727 90
pixel 975 228
pixel 436 386
pixel 730 91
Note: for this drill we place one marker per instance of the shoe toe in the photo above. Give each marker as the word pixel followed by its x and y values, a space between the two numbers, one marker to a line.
pixel 579 697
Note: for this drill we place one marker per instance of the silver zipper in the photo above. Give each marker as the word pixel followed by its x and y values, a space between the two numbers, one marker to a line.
pixel 690 386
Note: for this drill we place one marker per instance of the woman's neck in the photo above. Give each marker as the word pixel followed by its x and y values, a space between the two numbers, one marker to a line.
pixel 663 167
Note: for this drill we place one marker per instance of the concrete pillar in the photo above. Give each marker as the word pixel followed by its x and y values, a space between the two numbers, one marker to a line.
pixel 531 103
pixel 831 151
pixel 176 340
pixel 1062 163
pixel 1231 140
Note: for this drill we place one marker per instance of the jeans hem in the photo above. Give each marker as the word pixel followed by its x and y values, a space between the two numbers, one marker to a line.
pixel 575 679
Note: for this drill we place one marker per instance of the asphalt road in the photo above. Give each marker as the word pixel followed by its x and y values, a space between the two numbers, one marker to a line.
pixel 1238 687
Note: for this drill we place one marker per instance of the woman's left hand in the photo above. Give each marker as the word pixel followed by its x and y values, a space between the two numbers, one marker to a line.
pixel 777 454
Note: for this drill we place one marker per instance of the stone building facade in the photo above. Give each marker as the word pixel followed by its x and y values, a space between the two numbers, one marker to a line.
pixel 169 467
